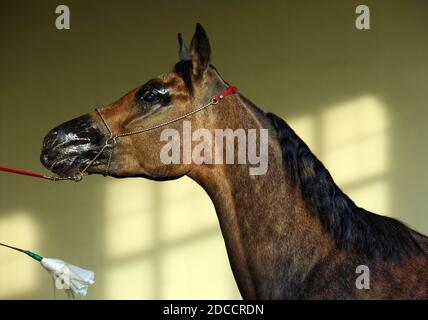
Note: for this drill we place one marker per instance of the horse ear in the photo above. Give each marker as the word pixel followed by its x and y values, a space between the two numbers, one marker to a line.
pixel 200 51
pixel 183 51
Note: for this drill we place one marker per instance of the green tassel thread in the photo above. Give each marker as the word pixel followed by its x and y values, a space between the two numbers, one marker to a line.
pixel 33 255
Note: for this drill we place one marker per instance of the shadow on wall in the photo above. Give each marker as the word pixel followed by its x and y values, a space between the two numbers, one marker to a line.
pixel 357 98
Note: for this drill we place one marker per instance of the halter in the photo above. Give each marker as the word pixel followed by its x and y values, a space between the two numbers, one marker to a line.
pixel 111 141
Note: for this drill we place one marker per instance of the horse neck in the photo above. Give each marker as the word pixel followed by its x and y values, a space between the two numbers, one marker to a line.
pixel 273 242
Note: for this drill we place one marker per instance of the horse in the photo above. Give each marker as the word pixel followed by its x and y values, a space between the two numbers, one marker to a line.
pixel 290 233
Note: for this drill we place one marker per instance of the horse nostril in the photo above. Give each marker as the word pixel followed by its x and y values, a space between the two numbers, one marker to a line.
pixel 69 145
pixel 44 159
pixel 50 139
pixel 49 142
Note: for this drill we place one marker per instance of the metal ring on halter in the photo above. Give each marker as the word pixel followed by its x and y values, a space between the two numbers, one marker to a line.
pixel 111 142
pixel 78 177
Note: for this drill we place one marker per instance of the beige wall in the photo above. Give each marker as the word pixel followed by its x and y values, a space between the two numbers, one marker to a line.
pixel 358 99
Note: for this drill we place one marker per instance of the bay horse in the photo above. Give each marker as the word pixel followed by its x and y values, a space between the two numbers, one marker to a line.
pixel 290 233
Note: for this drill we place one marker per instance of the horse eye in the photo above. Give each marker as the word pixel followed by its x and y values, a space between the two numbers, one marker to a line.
pixel 151 96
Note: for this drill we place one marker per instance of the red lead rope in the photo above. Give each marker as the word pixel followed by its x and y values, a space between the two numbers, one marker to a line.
pixel 25 173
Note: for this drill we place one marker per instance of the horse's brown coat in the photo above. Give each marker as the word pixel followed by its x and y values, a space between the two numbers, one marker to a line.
pixel 277 246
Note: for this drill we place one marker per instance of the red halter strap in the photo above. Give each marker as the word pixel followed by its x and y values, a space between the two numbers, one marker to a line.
pixel 227 92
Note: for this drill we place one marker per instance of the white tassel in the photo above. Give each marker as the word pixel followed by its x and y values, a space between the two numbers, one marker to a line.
pixel 74 280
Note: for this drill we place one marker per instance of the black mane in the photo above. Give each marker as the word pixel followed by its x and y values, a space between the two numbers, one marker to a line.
pixel 353 228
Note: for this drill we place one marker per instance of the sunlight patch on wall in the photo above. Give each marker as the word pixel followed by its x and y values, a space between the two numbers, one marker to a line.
pixel 131 280
pixel 199 270
pixel 19 274
pixel 352 140
pixel 354 120
pixel 358 160
pixel 129 218
pixel 158 236
pixel 305 127
pixel 187 209
pixel 372 196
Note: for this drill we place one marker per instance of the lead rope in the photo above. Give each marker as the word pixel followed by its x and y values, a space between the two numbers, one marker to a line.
pixel 112 140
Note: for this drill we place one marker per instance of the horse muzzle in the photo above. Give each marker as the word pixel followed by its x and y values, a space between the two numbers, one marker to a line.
pixel 71 146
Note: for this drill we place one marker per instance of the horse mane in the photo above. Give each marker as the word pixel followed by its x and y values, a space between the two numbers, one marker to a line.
pixel 353 228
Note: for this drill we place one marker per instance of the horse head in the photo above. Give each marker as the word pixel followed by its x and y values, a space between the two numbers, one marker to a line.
pixel 104 141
